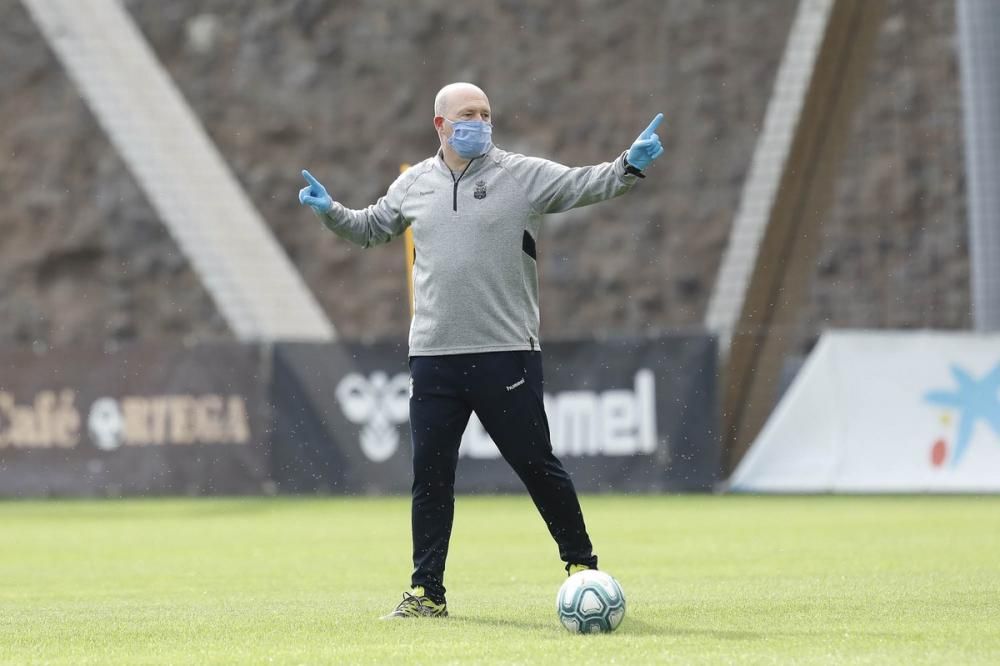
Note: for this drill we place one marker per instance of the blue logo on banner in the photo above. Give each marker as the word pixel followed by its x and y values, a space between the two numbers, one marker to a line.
pixel 975 400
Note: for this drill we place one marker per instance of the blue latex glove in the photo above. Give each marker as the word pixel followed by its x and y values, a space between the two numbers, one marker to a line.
pixel 314 194
pixel 647 147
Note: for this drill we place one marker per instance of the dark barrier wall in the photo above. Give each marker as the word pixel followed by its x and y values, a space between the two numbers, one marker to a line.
pixel 142 420
pixel 625 415
pixel 232 419
pixel 340 418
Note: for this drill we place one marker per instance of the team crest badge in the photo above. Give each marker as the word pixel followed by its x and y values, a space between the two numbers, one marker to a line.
pixel 480 192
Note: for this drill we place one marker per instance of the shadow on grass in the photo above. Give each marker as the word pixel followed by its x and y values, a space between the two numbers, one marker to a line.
pixel 631 626
pixel 501 622
pixel 636 627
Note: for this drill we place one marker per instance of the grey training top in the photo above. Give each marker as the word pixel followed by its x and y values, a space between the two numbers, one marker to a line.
pixel 475 281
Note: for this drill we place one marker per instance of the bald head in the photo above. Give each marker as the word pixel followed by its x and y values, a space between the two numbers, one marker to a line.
pixel 454 103
pixel 455 95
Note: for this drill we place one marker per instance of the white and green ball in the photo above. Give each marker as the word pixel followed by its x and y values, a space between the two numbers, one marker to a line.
pixel 590 602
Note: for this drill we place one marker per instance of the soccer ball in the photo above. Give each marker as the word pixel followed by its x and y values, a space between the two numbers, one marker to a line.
pixel 590 602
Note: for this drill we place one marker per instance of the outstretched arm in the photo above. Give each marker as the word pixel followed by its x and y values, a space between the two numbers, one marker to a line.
pixel 373 225
pixel 553 187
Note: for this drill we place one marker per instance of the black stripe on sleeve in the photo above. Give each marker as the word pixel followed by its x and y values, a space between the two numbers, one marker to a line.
pixel 528 245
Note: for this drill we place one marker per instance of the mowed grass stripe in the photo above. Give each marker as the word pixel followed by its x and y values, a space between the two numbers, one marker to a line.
pixel 708 580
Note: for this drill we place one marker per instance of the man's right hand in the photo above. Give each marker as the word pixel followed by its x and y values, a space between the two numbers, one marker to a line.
pixel 314 194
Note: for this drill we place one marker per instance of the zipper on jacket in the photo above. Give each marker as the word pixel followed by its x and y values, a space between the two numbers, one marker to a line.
pixel 531 341
pixel 454 194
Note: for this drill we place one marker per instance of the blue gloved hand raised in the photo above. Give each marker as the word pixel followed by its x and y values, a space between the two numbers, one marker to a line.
pixel 314 194
pixel 647 147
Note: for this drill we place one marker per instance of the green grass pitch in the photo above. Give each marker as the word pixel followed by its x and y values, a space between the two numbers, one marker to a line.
pixel 709 580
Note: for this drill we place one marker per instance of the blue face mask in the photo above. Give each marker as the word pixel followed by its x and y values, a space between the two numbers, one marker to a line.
pixel 470 138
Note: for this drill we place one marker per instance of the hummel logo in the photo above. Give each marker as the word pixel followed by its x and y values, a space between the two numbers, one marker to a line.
pixel 425 193
pixel 515 385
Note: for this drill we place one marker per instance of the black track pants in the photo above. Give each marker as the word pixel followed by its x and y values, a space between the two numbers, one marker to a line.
pixel 504 389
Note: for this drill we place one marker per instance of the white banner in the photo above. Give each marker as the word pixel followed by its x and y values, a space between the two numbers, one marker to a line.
pixel 884 412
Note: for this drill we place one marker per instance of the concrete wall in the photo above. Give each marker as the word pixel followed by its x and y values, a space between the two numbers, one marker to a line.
pixel 347 91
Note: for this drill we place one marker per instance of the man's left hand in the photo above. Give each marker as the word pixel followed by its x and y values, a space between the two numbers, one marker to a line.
pixel 647 147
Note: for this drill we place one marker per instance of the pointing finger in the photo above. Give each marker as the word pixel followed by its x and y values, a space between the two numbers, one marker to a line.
pixel 310 179
pixel 646 133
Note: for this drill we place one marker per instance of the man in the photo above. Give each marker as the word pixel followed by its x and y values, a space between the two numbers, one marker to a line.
pixel 476 212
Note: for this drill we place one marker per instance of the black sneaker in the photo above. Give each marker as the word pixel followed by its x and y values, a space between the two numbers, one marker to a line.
pixel 416 604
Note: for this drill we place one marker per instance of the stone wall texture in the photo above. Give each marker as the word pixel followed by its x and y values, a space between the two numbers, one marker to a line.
pixel 346 90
